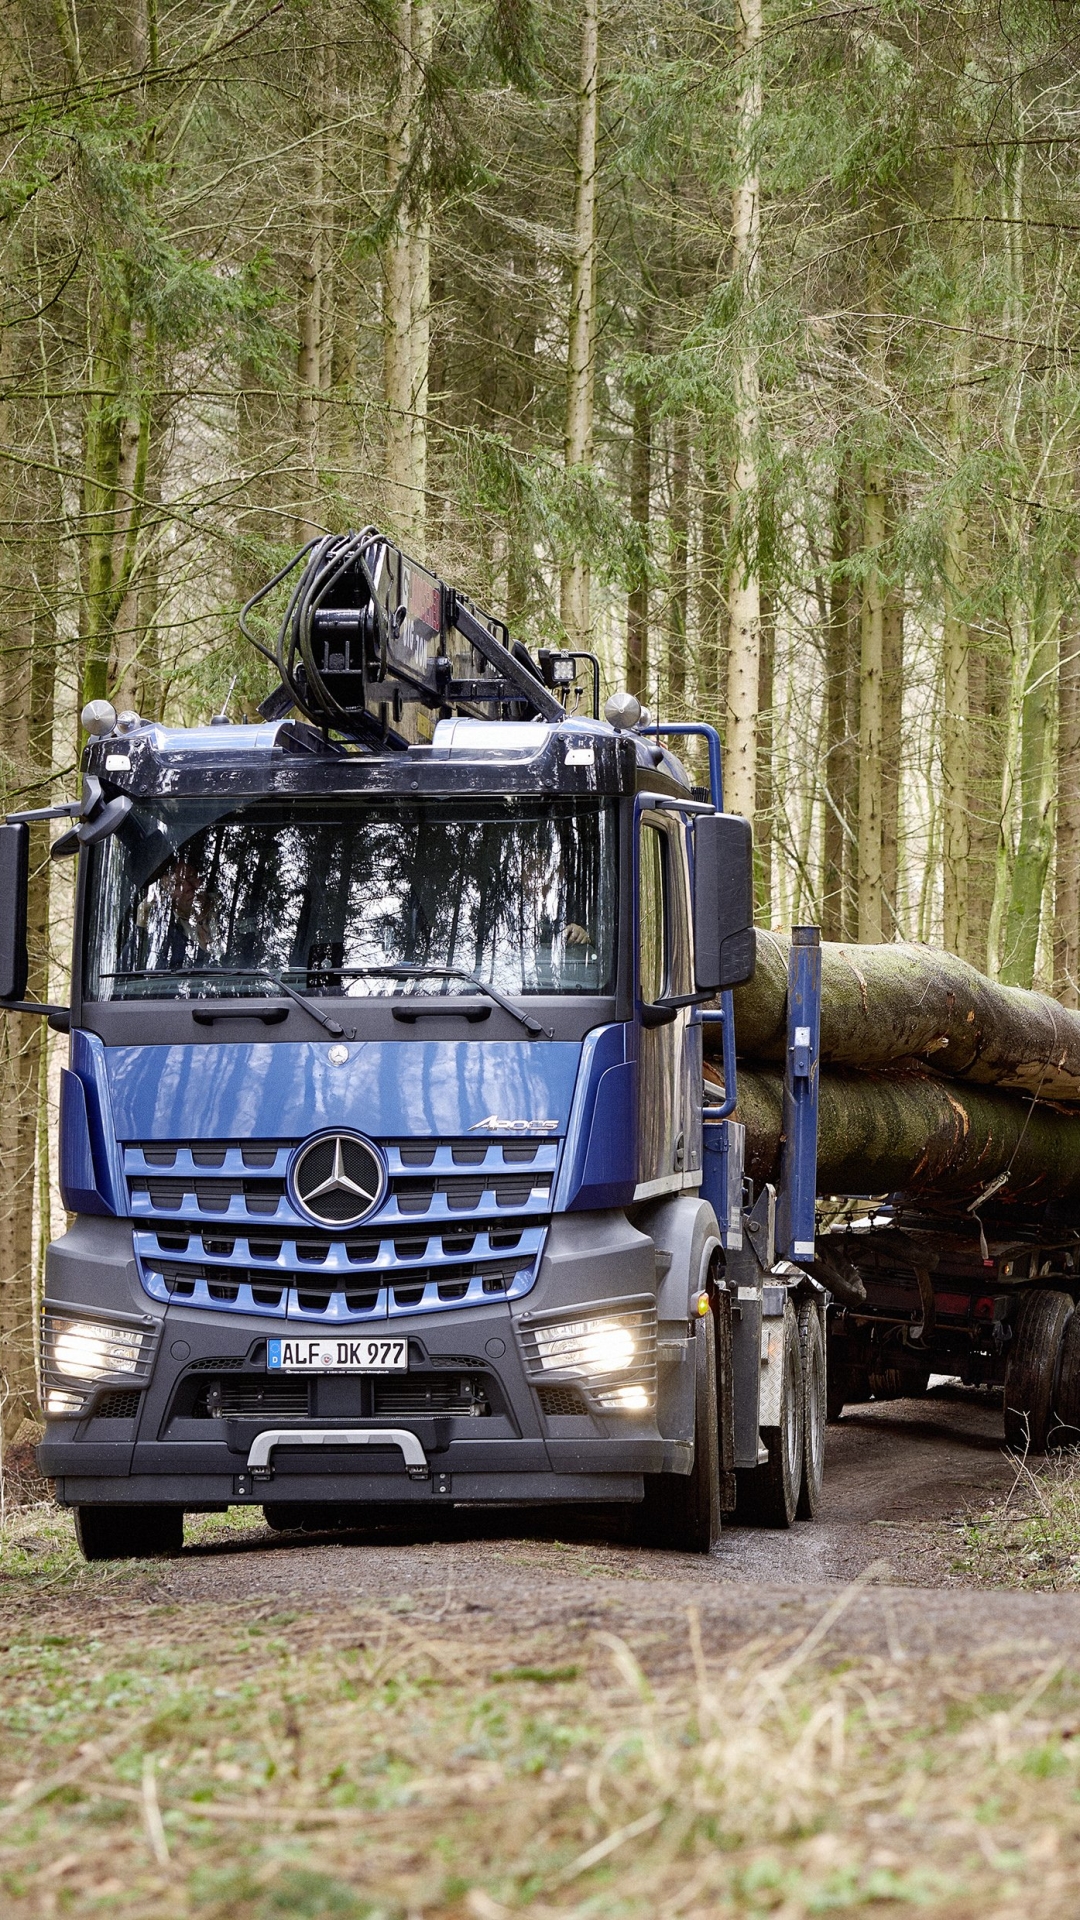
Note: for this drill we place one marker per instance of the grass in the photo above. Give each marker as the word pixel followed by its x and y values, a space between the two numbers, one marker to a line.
pixel 1033 1539
pixel 238 1760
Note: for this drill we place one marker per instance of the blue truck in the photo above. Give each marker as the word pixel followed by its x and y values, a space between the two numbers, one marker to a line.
pixel 393 1179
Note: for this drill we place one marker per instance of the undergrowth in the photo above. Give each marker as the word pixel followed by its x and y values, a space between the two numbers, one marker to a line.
pixel 215 1758
pixel 1033 1539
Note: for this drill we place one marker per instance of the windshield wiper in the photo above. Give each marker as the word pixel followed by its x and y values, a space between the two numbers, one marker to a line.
pixel 237 973
pixel 401 970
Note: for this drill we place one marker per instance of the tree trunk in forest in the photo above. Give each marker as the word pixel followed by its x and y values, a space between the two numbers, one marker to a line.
pixel 678 615
pixel 892 713
pixel 871 669
pixel 574 609
pixel 637 604
pixel 310 305
pixel 906 1005
pixel 740 769
pixel 712 665
pixel 1035 841
pixel 919 1136
pixel 1067 863
pixel 986 701
pixel 955 643
pixel 841 705
pixel 764 824
pixel 406 278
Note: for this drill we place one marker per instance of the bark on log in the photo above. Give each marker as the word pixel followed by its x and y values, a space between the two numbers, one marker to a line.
pixel 915 1134
pixel 907 1006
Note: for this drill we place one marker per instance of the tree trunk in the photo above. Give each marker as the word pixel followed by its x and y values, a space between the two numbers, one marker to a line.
pixel 903 1005
pixel 871 669
pixel 574 608
pixel 955 641
pixel 918 1136
pixel 1035 840
pixel 678 621
pixel 764 823
pixel 743 593
pixel 892 714
pixel 712 662
pixel 1067 867
pixel 310 304
pixel 838 836
pixel 637 604
pixel 406 279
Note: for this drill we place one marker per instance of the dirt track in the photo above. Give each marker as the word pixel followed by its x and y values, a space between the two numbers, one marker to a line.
pixel 901 1477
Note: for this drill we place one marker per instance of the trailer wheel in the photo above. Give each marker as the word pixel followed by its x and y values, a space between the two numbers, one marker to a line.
pixel 129 1533
pixel 1031 1371
pixel 682 1510
pixel 1065 1432
pixel 815 1397
pixel 769 1494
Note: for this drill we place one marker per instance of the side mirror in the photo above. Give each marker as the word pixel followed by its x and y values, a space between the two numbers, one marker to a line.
pixel 14 881
pixel 724 949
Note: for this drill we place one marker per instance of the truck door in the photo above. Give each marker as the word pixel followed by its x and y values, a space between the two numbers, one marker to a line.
pixel 663 973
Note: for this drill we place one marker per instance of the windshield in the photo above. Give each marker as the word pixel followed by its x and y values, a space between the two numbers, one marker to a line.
pixel 200 897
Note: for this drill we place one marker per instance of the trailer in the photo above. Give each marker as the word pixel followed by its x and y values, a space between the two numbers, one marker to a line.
pixel 392 1181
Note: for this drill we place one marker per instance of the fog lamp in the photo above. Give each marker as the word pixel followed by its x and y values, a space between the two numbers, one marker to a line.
pixel 625 1399
pixel 57 1402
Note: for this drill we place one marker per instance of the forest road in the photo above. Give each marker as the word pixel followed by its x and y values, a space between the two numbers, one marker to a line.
pixel 901 1479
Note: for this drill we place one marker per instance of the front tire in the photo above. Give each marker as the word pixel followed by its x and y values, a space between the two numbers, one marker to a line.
pixel 129 1533
pixel 769 1494
pixel 682 1510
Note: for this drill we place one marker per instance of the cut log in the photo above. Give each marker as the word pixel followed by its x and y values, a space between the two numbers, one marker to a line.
pixel 916 1135
pixel 903 1006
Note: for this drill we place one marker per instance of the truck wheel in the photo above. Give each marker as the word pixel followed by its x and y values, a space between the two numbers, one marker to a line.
pixel 682 1510
pixel 1031 1370
pixel 812 1355
pixel 1066 1430
pixel 769 1494
pixel 129 1533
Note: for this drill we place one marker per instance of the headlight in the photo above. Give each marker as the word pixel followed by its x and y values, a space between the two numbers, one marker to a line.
pixel 86 1350
pixel 626 1400
pixel 586 1347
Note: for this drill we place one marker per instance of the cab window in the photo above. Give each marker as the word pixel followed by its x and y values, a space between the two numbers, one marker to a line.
pixel 652 911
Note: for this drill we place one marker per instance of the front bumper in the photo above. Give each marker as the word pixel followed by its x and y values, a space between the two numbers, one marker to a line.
pixel 188 1439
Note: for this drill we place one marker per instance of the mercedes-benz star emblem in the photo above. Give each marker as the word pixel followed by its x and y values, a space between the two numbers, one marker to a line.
pixel 338 1179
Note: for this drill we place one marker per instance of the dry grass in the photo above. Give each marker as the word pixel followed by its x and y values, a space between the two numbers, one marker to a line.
pixel 241 1762
pixel 1033 1539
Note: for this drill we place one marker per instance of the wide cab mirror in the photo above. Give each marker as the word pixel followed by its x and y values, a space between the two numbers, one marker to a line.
pixel 724 949
pixel 14 880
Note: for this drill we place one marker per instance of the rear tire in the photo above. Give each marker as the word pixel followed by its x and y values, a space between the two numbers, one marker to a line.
pixel 682 1510
pixel 815 1397
pixel 129 1533
pixel 769 1494
pixel 1066 1430
pixel 1031 1370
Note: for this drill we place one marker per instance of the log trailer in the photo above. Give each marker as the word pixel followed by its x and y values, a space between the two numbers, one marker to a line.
pixel 382 1135
pixel 990 1301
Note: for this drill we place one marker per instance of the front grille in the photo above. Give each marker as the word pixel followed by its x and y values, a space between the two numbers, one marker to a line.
pixel 418 1394
pixel 244 1179
pixel 250 1396
pixel 118 1406
pixel 462 1221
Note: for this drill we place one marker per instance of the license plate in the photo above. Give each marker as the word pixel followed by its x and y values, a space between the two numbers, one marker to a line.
pixel 338 1356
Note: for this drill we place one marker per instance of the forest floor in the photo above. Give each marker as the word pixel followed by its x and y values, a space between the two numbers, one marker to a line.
pixel 872 1713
